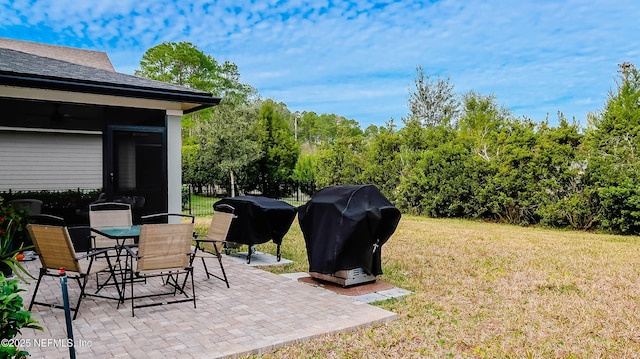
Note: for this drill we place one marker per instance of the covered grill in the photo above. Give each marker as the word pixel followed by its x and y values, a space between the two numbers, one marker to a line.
pixel 344 228
pixel 259 219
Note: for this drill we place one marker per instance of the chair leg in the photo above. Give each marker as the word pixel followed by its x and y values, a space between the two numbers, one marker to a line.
pixel 193 288
pixel 82 286
pixel 177 287
pixel 204 264
pixel 35 291
pixel 205 267
pixel 123 278
pixel 210 274
pixel 224 274
pixel 133 314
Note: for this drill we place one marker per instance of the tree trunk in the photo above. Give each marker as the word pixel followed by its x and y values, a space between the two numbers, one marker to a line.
pixel 233 183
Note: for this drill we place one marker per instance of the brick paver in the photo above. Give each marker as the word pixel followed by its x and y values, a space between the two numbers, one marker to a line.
pixel 260 312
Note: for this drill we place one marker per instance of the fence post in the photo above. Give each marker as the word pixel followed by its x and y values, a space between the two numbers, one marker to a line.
pixel 190 187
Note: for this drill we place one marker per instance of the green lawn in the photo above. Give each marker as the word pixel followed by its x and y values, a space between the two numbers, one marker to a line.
pixel 485 290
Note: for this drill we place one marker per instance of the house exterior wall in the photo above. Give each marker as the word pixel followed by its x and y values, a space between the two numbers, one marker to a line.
pixel 50 160
pixel 62 110
pixel 174 161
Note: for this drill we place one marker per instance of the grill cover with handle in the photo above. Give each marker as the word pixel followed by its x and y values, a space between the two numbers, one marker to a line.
pixel 345 226
pixel 259 219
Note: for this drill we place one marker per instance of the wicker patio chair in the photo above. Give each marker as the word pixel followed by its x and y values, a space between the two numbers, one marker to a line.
pixel 164 250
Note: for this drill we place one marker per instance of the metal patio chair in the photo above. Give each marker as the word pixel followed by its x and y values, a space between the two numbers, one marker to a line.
pixel 55 249
pixel 216 240
pixel 164 250
pixel 109 214
pixel 80 235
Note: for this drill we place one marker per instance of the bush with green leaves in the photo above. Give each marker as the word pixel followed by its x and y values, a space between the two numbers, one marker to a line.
pixel 613 169
pixel 13 317
pixel 12 224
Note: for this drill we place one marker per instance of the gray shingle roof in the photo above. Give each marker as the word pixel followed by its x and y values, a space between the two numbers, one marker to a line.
pixel 23 69
pixel 90 58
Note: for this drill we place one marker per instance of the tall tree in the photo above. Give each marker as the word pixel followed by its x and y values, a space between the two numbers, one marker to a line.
pixel 432 102
pixel 510 191
pixel 481 120
pixel 305 172
pixel 182 63
pixel 315 129
pixel 279 149
pixel 559 165
pixel 215 148
pixel 341 160
pixel 383 166
pixel 227 144
pixel 613 169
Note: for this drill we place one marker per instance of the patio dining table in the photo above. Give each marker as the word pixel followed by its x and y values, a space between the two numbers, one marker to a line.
pixel 119 234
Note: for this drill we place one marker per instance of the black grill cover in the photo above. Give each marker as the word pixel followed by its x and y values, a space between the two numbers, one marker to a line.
pixel 341 226
pixel 259 219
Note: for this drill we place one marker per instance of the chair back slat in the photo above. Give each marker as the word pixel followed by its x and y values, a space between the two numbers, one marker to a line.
pixel 54 246
pixel 166 218
pixel 109 214
pixel 164 246
pixel 218 229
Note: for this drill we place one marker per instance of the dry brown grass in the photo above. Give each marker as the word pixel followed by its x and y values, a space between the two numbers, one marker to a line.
pixel 485 290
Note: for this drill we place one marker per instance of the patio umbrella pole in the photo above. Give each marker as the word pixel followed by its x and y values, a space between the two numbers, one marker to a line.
pixel 67 312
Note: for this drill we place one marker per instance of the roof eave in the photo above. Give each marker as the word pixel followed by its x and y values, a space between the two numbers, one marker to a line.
pixel 204 100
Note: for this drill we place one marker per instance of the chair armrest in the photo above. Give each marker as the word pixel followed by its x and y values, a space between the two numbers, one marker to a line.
pixel 150 217
pixel 94 253
pixel 130 251
pixel 207 240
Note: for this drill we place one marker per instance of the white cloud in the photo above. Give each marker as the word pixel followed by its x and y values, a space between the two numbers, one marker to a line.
pixel 358 59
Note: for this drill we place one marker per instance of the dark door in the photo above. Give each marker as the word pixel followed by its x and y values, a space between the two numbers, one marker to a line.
pixel 136 166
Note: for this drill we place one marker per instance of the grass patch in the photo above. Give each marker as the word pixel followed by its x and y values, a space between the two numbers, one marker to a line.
pixel 485 290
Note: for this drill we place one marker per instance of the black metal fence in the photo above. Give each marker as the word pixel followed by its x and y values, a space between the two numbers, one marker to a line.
pixel 199 201
pixel 196 201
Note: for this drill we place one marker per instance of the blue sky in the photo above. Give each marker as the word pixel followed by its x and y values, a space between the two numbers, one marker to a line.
pixel 358 59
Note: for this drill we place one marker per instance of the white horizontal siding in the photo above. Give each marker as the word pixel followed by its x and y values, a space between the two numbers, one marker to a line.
pixel 50 161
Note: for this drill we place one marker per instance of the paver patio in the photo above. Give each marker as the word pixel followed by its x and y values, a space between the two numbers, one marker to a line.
pixel 260 312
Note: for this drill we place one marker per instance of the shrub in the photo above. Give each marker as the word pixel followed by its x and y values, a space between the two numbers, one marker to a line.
pixel 14 318
pixel 12 225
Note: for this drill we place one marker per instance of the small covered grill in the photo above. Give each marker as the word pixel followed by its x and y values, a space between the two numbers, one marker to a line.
pixel 344 228
pixel 259 219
